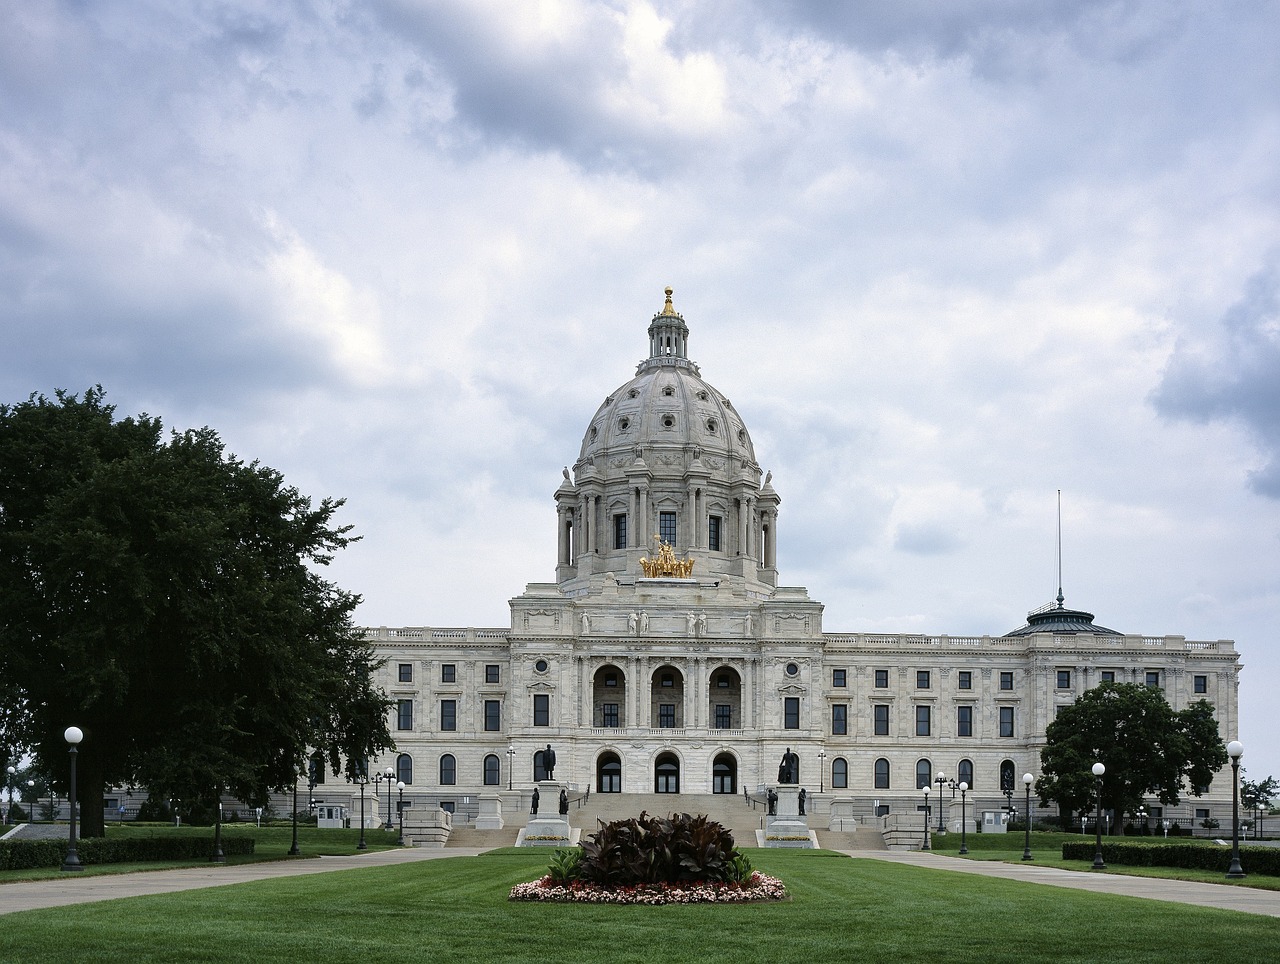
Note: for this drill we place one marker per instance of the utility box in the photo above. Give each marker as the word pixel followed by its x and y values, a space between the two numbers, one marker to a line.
pixel 994 821
pixel 331 817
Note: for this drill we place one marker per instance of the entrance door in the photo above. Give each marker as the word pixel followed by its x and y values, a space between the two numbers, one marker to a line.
pixel 609 774
pixel 724 774
pixel 666 774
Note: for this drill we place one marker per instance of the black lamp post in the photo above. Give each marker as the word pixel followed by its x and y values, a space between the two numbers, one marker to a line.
pixel 218 856
pixel 73 735
pixel 294 851
pixel 925 788
pixel 390 775
pixel 1027 780
pixel 8 814
pixel 511 763
pixel 400 787
pixel 940 780
pixel 1098 862
pixel 1235 750
pixel 964 845
pixel 364 779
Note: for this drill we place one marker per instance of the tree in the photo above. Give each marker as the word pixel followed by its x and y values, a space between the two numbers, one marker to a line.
pixel 1147 748
pixel 1256 795
pixel 162 596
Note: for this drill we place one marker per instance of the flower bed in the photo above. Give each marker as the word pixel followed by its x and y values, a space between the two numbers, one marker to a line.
pixel 758 887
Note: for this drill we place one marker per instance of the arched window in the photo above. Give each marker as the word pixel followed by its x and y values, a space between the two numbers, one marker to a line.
pixel 666 774
pixel 448 770
pixel 609 773
pixel 839 773
pixel 492 771
pixel 724 774
pixel 315 769
pixel 539 766
pixel 1006 776
pixel 404 768
pixel 924 773
pixel 964 772
pixel 882 774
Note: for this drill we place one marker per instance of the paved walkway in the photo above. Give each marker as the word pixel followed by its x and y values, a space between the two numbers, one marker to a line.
pixel 1223 896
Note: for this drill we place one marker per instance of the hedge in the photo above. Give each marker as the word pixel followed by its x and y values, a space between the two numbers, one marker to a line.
pixel 1254 860
pixel 26 854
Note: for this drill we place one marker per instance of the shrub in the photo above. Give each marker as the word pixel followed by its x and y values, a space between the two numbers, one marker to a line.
pixel 1256 860
pixel 651 850
pixel 26 854
pixel 564 866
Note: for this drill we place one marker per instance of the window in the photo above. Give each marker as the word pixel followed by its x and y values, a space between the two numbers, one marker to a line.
pixel 922 720
pixel 541 709
pixel 448 673
pixel 1202 813
pixel 448 770
pixel 881 713
pixel 882 679
pixel 666 715
pixel 1108 676
pixel 1153 678
pixel 924 773
pixel 541 666
pixel 791 713
pixel 724 716
pixel 404 714
pixel 839 773
pixel 1201 684
pixel 839 719
pixel 619 532
pixel 793 669
pixel 965 772
pixel 405 672
pixel 966 680
pixel 315 769
pixel 838 678
pixel 609 714
pixel 493 673
pixel 492 715
pixel 667 679
pixel 723 681
pixel 713 533
pixel 1006 776
pixel 448 714
pixel 882 774
pixel 404 768
pixel 1006 721
pixel 1064 679
pixel 609 774
pixel 922 679
pixel 964 721
pixel 667 527
pixel 1006 680
pixel 610 679
pixel 492 771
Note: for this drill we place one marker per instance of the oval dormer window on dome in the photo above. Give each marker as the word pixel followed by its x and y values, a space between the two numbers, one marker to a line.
pixel 634 393
pixel 711 426
pixel 742 436
pixel 702 396
pixel 668 421
pixel 624 423
pixel 668 391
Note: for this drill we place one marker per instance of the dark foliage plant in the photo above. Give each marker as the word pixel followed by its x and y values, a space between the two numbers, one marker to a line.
pixel 653 850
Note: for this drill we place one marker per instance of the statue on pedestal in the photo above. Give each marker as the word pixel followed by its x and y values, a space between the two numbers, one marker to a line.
pixel 803 793
pixel 549 762
pixel 789 768
pixel 771 797
pixel 533 810
pixel 564 802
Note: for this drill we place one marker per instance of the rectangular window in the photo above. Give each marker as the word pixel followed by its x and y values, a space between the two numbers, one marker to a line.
pixel 838 678
pixel 1153 678
pixel 1202 813
pixel 1108 676
pixel 448 673
pixel 667 527
pixel 541 709
pixel 882 679
pixel 881 714
pixel 724 716
pixel 493 715
pixel 609 714
pixel 1064 679
pixel 922 720
pixel 964 721
pixel 1201 684
pixel 666 715
pixel 713 533
pixel 1006 721
pixel 791 713
pixel 1006 680
pixel 493 673
pixel 839 719
pixel 966 680
pixel 405 672
pixel 922 679
pixel 448 714
pixel 620 531
pixel 404 714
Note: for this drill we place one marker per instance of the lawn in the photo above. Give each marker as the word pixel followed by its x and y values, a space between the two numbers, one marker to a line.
pixel 455 909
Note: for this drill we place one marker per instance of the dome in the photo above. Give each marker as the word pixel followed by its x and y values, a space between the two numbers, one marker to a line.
pixel 1060 621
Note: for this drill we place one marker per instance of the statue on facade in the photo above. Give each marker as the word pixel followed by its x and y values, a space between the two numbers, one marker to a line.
pixel 691 623
pixel 564 802
pixel 771 798
pixel 702 624
pixel 803 793
pixel 549 762
pixel 585 621
pixel 533 809
pixel 644 623
pixel 789 768
pixel 633 623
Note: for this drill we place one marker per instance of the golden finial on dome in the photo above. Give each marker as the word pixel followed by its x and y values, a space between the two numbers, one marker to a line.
pixel 668 308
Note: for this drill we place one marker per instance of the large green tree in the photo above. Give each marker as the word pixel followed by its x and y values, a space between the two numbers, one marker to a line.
pixel 1148 749
pixel 163 596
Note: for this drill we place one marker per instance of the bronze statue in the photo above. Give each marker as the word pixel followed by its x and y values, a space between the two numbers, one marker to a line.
pixel 564 802
pixel 533 810
pixel 789 768
pixel 803 794
pixel 549 762
pixel 771 797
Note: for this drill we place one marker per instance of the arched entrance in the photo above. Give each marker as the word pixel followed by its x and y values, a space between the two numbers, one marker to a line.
pixel 609 697
pixel 724 699
pixel 608 773
pixel 724 774
pixel 666 774
pixel 666 698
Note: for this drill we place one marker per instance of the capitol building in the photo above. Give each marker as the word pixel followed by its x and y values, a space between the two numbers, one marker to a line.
pixel 668 656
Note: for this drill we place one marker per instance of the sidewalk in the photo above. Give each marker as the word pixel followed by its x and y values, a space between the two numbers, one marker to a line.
pixel 80 889
pixel 1244 899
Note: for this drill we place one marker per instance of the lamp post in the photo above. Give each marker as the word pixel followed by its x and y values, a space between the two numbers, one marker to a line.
pixel 31 804
pixel 964 844
pixel 294 851
pixel 1235 750
pixel 822 769
pixel 73 735
pixel 511 763
pixel 940 779
pixel 389 775
pixel 1142 821
pixel 1027 780
pixel 364 779
pixel 925 788
pixel 8 814
pixel 1098 862
pixel 218 856
pixel 400 787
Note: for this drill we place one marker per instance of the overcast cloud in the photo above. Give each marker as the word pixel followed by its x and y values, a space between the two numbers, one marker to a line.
pixel 945 259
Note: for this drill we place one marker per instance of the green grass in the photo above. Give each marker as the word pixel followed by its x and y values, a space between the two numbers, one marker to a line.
pixel 455 909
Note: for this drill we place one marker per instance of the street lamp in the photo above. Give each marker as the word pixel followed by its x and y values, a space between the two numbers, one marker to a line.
pixel 1098 862
pixel 8 814
pixel 295 851
pixel 925 788
pixel 1027 780
pixel 940 780
pixel 389 775
pixel 364 779
pixel 31 808
pixel 1235 750
pixel 511 763
pixel 964 845
pixel 218 856
pixel 822 769
pixel 400 787
pixel 73 735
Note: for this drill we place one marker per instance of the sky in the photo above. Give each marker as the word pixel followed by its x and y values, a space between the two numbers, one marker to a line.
pixel 946 260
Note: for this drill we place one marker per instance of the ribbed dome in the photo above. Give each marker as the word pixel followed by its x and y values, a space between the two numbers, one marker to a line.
pixel 1061 622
